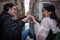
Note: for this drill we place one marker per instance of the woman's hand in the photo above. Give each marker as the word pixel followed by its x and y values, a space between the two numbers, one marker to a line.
pixel 34 20
pixel 26 18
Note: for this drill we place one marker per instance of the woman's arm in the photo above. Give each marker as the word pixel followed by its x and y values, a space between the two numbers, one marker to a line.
pixel 42 30
pixel 33 19
pixel 53 26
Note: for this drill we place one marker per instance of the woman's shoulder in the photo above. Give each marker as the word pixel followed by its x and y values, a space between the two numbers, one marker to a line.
pixel 46 19
pixel 49 20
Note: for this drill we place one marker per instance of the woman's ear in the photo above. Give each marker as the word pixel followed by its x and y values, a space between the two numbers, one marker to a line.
pixel 50 13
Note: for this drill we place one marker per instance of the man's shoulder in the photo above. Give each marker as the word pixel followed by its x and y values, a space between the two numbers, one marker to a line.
pixel 4 16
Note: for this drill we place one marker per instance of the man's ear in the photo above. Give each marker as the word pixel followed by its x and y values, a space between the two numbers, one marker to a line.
pixel 9 9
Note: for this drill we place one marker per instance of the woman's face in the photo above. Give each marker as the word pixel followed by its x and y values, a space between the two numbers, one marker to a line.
pixel 45 13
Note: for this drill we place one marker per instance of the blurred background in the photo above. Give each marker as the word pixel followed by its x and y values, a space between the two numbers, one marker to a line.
pixel 33 7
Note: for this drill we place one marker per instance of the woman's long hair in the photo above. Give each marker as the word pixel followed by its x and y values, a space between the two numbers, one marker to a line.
pixel 51 8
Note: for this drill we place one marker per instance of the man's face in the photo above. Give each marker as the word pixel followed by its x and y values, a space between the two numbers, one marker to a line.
pixel 13 10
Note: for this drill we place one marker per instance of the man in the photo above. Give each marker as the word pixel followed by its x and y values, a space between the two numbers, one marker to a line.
pixel 10 29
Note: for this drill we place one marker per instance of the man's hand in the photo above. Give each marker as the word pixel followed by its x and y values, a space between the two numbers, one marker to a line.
pixel 27 18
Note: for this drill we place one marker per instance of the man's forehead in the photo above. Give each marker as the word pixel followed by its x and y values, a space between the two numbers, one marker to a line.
pixel 14 7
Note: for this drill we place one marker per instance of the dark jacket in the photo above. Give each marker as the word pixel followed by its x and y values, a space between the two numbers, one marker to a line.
pixel 57 36
pixel 10 29
pixel 51 36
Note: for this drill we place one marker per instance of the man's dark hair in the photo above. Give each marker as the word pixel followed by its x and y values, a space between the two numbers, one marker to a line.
pixel 7 6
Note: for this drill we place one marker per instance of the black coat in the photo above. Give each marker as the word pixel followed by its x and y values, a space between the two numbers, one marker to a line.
pixel 10 29
pixel 51 36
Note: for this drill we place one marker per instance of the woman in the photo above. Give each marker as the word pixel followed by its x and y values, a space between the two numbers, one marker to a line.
pixel 49 21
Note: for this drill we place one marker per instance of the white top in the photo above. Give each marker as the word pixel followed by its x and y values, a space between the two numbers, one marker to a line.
pixel 42 30
pixel 26 26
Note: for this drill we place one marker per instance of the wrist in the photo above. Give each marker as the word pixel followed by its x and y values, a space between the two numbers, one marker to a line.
pixel 34 21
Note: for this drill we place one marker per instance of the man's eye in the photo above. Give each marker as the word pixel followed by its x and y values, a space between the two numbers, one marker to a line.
pixel 14 8
pixel 42 10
